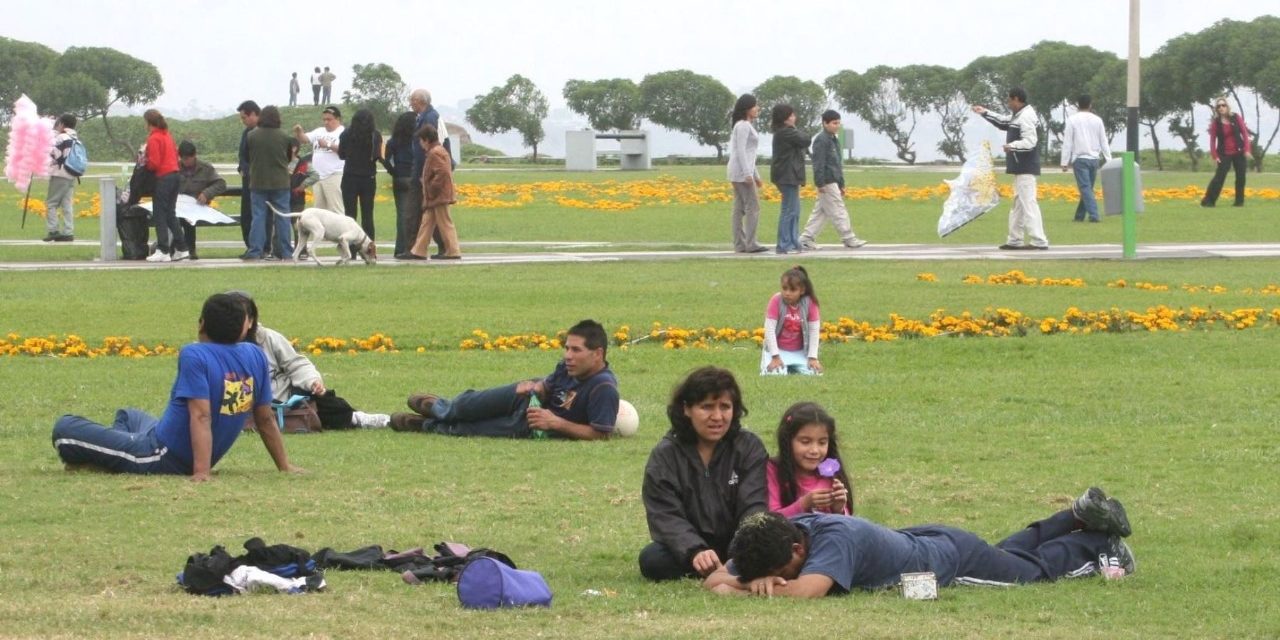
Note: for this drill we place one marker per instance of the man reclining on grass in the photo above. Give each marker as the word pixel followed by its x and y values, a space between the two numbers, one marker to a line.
pixel 819 554
pixel 221 381
pixel 580 396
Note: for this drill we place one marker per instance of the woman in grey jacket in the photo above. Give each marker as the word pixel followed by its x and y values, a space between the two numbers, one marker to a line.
pixel 744 176
pixel 702 478
pixel 786 170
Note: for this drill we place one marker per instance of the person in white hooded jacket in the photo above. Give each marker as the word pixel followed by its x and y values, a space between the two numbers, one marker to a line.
pixel 62 184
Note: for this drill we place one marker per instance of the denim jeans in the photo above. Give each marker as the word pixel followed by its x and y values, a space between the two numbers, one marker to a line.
pixel 789 220
pixel 262 216
pixel 1086 170
pixel 169 237
pixel 495 413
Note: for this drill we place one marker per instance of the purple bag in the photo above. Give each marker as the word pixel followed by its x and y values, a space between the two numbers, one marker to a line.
pixel 486 583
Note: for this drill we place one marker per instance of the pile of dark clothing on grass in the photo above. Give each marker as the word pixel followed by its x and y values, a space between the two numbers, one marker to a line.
pixel 287 569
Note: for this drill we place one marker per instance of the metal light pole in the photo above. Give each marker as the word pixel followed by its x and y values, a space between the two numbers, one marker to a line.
pixel 1135 57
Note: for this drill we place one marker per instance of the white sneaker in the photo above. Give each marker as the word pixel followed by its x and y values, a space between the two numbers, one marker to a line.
pixel 180 255
pixel 159 256
pixel 855 243
pixel 370 420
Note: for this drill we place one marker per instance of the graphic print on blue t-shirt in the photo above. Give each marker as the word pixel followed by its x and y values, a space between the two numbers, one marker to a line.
pixel 237 394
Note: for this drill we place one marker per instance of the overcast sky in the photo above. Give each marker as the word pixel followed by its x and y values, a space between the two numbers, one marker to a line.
pixel 214 53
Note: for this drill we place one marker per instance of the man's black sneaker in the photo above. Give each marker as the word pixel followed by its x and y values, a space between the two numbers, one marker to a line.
pixel 64 237
pixel 50 237
pixel 1118 561
pixel 1100 513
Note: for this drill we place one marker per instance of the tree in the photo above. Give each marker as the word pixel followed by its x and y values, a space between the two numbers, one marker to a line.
pixel 518 105
pixel 378 88
pixel 877 97
pixel 936 88
pixel 690 103
pixel 607 104
pixel 807 97
pixel 1056 73
pixel 21 65
pixel 88 81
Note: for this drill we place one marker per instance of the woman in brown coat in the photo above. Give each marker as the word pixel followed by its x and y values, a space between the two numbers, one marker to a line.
pixel 437 195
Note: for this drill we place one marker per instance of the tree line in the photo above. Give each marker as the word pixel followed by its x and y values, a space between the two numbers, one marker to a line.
pixel 1231 58
pixel 1239 60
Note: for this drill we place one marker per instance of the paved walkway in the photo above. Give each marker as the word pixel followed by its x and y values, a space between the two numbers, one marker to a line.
pixel 564 252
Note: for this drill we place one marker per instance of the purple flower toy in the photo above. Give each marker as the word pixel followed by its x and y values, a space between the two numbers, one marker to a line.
pixel 829 468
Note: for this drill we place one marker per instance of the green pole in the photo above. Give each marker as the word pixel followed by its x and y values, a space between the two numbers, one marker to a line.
pixel 1130 206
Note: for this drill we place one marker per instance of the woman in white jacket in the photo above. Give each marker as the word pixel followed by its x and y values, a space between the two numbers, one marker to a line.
pixel 294 374
pixel 743 143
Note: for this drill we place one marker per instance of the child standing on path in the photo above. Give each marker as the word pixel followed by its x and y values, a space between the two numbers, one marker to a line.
pixel 808 476
pixel 786 171
pixel 791 322
pixel 828 177
pixel 744 176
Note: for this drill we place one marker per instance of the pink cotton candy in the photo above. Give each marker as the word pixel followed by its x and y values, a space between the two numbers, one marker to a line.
pixel 30 138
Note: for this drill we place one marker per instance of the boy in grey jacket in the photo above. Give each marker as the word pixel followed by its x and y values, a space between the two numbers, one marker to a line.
pixel 828 177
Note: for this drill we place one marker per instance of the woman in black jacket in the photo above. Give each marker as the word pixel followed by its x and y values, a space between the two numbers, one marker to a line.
pixel 786 171
pixel 702 478
pixel 399 163
pixel 360 146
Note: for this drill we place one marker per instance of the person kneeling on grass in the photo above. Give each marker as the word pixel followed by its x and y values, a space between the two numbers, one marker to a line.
pixel 580 399
pixel 221 382
pixel 816 555
pixel 294 374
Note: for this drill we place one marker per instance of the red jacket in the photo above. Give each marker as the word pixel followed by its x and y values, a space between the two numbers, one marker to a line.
pixel 1234 143
pixel 162 154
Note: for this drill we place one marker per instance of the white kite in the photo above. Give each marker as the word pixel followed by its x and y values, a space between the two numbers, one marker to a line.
pixel 973 193
pixel 190 209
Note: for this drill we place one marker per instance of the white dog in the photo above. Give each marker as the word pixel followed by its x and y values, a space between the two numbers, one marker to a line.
pixel 316 223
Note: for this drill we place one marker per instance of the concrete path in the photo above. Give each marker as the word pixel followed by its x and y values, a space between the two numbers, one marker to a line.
pixel 475 253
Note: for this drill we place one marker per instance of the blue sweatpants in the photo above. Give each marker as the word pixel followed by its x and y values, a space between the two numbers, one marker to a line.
pixel 129 445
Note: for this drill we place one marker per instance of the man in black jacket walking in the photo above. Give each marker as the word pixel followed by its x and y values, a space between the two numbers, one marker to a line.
pixel 1022 146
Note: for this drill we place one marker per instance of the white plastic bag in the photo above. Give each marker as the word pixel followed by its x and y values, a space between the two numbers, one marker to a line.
pixel 973 193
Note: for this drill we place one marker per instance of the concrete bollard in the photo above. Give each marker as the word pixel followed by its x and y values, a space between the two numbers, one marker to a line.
pixel 107 220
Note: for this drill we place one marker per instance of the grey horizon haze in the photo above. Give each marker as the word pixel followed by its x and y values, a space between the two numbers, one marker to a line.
pixel 212 55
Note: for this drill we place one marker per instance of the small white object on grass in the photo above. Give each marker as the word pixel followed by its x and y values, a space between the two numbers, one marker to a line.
pixel 628 421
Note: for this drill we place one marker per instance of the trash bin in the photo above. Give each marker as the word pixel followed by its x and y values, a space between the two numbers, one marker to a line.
pixel 1111 175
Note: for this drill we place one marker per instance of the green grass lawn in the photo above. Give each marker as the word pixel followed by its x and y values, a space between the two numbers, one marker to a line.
pixel 984 433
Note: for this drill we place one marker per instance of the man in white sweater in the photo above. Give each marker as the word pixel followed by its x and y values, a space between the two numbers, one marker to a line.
pixel 1084 148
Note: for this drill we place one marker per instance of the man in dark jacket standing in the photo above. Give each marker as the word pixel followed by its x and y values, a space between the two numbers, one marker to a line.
pixel 420 103
pixel 828 177
pixel 198 179
pixel 1022 161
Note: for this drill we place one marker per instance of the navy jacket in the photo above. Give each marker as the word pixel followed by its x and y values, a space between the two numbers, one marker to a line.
pixel 787 164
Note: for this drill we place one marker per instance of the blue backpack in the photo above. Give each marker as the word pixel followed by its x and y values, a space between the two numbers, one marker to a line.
pixel 77 161
pixel 487 583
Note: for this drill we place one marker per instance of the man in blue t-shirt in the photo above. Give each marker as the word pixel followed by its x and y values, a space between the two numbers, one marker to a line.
pixel 221 383
pixel 818 554
pixel 579 400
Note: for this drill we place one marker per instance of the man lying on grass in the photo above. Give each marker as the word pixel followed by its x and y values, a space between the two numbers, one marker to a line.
pixel 221 381
pixel 814 555
pixel 578 401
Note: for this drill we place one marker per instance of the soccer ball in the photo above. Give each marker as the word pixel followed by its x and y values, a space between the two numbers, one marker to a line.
pixel 628 420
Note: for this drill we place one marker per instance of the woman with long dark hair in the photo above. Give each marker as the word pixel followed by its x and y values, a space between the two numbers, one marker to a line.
pixel 360 147
pixel 1230 146
pixel 398 162
pixel 744 176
